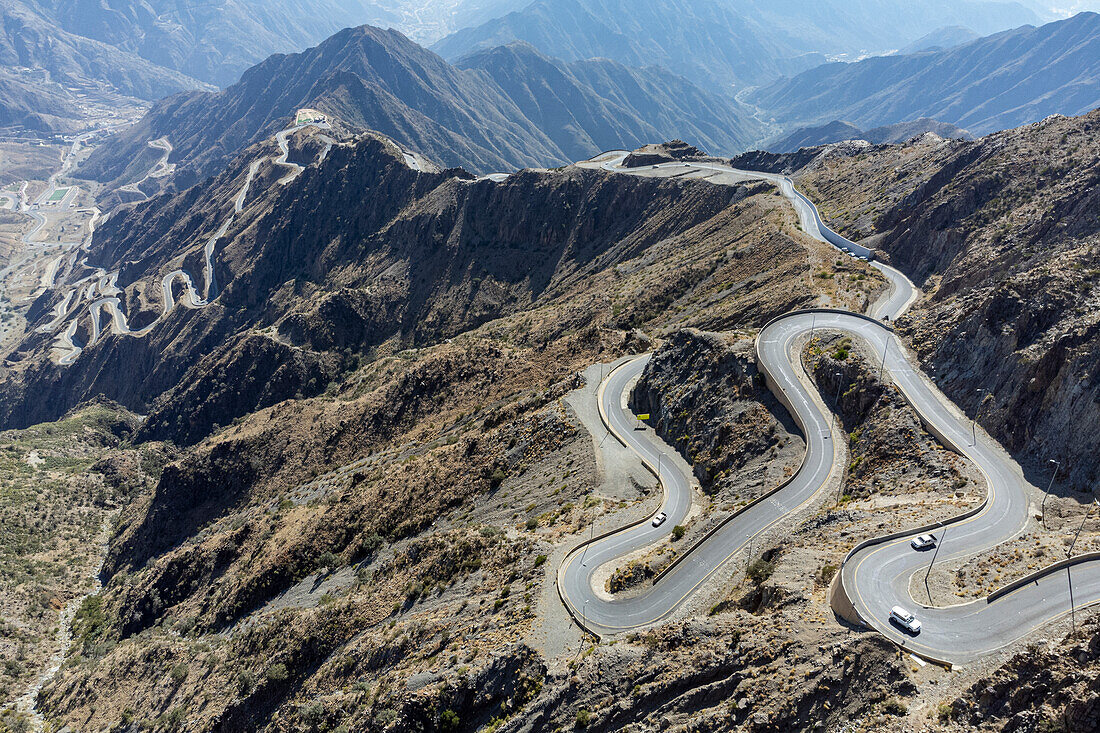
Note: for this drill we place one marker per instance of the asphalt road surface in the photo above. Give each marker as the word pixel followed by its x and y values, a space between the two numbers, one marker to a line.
pixel 876 577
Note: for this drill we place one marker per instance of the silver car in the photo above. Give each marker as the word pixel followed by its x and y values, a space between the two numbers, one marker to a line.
pixel 659 519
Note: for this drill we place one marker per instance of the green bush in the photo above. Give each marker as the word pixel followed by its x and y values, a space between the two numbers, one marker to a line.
pixel 328 560
pixel 314 714
pixel 277 672
pixel 583 718
pixel 386 717
pixel 246 682
pixel 894 706
pixel 171 720
pixel 760 571
pixel 179 673
pixel 449 720
pixel 540 560
pixel 678 532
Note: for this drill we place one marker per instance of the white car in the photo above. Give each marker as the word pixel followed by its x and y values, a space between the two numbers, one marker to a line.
pixel 924 542
pixel 905 620
pixel 659 519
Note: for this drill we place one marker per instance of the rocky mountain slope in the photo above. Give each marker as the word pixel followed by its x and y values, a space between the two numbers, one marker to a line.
pixel 378 273
pixel 837 131
pixel 721 44
pixel 383 455
pixel 336 528
pixel 1008 79
pixel 475 116
pixel 30 40
pixel 32 105
pixel 1003 234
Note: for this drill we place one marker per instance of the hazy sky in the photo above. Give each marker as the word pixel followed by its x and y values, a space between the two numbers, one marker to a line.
pixel 1069 7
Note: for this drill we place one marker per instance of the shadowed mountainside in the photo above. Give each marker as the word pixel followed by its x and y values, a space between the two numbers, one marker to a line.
pixel 405 258
pixel 1004 235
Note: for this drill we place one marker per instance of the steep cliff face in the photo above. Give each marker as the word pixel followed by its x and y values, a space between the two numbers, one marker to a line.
pixel 709 402
pixel 1004 235
pixel 889 452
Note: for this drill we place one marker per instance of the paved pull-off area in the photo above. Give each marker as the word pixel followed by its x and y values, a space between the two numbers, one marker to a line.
pixel 876 575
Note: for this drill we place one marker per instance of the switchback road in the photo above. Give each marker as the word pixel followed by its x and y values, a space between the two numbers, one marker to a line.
pixel 877 574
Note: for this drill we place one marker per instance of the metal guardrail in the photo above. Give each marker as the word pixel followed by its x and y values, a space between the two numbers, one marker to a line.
pixel 1039 574
pixel 833 238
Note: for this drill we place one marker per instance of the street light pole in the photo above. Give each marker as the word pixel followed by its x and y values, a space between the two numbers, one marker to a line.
pixel 839 382
pixel 1049 487
pixel 934 555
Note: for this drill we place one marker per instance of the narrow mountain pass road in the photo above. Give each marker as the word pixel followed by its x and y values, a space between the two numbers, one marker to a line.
pixel 876 576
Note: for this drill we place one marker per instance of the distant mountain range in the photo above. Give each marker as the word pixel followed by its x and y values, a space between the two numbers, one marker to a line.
pixel 43 68
pixel 993 83
pixel 504 109
pixel 594 105
pixel 700 39
pixel 716 43
pixel 216 42
pixel 837 131
pixel 47 74
pixel 939 39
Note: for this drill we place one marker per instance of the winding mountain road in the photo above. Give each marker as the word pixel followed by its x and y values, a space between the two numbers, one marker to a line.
pixel 84 291
pixel 877 574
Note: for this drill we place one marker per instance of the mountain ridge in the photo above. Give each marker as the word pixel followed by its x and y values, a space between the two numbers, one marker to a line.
pixel 369 79
pixel 997 82
pixel 718 44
